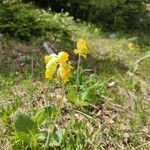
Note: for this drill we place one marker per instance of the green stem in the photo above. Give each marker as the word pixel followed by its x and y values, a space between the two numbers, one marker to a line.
pixel 63 93
pixel 78 72
pixel 47 141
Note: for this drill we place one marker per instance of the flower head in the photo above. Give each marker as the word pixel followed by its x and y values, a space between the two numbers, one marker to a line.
pixel 130 45
pixel 51 68
pixel 49 73
pixel 47 58
pixel 63 57
pixel 82 48
pixel 64 72
pixel 52 62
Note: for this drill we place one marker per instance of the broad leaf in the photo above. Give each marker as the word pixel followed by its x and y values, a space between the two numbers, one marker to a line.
pixel 24 125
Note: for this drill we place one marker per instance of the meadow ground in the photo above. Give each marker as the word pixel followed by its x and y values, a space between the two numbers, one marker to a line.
pixel 110 111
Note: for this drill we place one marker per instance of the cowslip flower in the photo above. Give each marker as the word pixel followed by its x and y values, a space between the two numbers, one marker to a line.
pixel 51 68
pixel 82 48
pixel 130 45
pixel 64 72
pixel 63 57
pixel 47 58
pixel 49 73
pixel 53 61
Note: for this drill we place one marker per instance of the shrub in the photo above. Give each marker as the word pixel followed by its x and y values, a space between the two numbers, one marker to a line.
pixel 24 21
pixel 112 14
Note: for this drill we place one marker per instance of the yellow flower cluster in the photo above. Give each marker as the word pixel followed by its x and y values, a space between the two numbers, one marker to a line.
pixel 63 57
pixel 130 45
pixel 82 48
pixel 61 61
pixel 63 72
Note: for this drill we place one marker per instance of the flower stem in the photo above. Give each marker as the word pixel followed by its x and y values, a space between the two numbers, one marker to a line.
pixel 78 72
pixel 47 141
pixel 63 94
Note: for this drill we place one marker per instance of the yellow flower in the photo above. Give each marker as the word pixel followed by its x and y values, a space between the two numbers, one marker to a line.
pixel 64 71
pixel 130 45
pixel 63 57
pixel 51 68
pixel 48 74
pixel 82 48
pixel 47 58
pixel 52 62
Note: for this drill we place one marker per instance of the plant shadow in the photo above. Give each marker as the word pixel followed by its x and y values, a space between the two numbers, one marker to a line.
pixel 106 66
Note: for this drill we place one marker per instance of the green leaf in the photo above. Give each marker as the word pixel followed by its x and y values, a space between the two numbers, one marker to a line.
pixel 46 114
pixel 84 95
pixel 77 98
pixel 5 114
pixel 24 125
pixel 72 94
pixel 57 138
pixel 40 116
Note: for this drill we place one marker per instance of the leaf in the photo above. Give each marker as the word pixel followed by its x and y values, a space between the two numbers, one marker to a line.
pixel 57 138
pixel 72 94
pixel 5 114
pixel 40 116
pixel 46 114
pixel 84 95
pixel 24 125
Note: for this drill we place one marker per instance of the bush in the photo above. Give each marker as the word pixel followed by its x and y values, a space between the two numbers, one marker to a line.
pixel 24 21
pixel 112 14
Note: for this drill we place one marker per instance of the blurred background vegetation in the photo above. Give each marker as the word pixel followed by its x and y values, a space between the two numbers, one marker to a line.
pixel 111 14
pixel 23 20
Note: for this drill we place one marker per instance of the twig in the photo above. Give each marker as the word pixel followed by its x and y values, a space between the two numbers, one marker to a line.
pixel 86 115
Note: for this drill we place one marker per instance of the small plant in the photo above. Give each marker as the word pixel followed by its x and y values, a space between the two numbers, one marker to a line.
pixel 81 50
pixel 58 63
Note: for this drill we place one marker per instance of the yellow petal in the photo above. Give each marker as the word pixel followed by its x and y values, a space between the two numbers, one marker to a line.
pixel 63 57
pixel 82 48
pixel 76 51
pixel 52 62
pixel 65 71
pixel 48 74
pixel 47 58
pixel 130 45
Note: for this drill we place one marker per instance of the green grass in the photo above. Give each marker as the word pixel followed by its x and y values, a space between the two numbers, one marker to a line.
pixel 111 110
